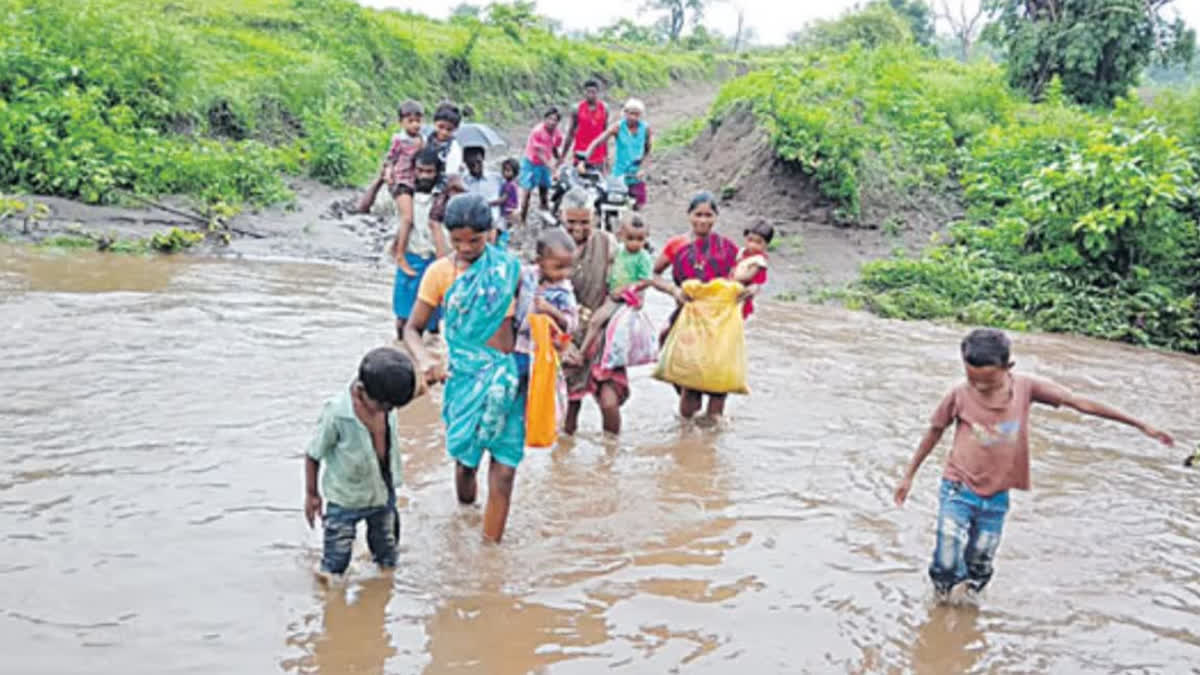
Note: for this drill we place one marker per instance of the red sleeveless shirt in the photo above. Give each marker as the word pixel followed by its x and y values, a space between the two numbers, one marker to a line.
pixel 590 124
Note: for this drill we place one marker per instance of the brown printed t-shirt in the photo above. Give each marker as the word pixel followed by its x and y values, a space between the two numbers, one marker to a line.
pixel 991 438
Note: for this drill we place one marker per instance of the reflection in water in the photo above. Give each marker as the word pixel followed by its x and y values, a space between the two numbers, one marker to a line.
pixel 150 490
pixel 493 633
pixel 949 641
pixel 352 635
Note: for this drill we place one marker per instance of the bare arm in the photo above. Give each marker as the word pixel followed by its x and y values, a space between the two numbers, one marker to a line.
pixel 928 442
pixel 570 133
pixel 440 246
pixel 646 152
pixel 368 198
pixel 312 498
pixel 426 364
pixel 602 138
pixel 661 284
pixel 1088 406
pixel 554 313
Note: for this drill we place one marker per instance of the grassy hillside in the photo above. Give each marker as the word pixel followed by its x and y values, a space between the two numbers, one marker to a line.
pixel 1076 220
pixel 217 98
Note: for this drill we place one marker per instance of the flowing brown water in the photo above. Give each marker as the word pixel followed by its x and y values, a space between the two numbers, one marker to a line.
pixel 154 411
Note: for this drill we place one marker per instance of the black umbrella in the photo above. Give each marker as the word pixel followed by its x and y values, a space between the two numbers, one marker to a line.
pixel 473 135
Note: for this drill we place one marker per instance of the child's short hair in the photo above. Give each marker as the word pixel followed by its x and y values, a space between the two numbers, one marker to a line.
pixel 552 110
pixel 554 239
pixel 763 229
pixel 512 165
pixel 388 376
pixel 468 210
pixel 985 347
pixel 429 156
pixel 448 112
pixel 410 108
pixel 633 221
pixel 591 82
pixel 472 151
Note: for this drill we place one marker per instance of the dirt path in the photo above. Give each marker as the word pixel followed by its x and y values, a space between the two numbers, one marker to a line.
pixel 732 161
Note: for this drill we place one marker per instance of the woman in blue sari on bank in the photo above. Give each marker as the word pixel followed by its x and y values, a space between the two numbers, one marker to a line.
pixel 483 404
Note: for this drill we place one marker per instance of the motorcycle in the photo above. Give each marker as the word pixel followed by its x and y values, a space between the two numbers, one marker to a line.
pixel 609 193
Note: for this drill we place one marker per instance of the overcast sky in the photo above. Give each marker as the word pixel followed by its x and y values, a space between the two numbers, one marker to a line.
pixel 773 19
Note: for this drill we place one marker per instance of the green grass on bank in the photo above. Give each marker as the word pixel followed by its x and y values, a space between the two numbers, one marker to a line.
pixel 221 98
pixel 1077 220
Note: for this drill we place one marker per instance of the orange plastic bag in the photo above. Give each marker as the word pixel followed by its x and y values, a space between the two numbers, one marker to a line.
pixel 543 409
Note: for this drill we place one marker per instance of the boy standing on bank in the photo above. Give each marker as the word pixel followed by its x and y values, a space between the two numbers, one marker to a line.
pixel 990 456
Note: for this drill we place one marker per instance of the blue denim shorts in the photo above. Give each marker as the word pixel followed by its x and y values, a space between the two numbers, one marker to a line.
pixel 383 532
pixel 968 534
pixel 534 175
pixel 404 290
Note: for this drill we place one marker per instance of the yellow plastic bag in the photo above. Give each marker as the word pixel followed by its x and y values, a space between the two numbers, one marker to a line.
pixel 545 401
pixel 706 348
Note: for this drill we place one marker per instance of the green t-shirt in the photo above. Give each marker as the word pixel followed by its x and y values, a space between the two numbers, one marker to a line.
pixel 352 476
pixel 630 268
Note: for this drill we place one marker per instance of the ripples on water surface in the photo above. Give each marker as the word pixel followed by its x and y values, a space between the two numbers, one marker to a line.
pixel 154 412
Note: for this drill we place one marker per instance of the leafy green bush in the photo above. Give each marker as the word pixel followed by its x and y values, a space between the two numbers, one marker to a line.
pixel 215 98
pixel 889 117
pixel 1075 220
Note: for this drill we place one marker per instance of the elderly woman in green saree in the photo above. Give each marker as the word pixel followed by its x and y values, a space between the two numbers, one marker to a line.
pixel 483 405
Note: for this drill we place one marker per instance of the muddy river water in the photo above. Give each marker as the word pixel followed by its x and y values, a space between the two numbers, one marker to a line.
pixel 153 413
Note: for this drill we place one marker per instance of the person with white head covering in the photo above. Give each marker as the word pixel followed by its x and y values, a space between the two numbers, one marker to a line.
pixel 633 143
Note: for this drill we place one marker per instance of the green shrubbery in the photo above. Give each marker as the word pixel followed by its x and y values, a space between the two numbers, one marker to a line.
pixel 890 118
pixel 216 98
pixel 1076 220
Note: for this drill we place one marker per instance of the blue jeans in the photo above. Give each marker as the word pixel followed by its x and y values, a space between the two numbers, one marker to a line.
pixel 340 524
pixel 968 534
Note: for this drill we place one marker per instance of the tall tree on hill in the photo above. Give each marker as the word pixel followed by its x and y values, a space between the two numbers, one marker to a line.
pixel 677 13
pixel 1097 48
pixel 919 15
pixel 966 21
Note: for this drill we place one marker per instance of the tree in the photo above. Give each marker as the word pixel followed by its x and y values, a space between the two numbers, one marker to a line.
pixel 625 30
pixel 1097 48
pixel 965 23
pixel 704 39
pixel 677 13
pixel 920 17
pixel 871 26
pixel 741 25
pixel 516 19
pixel 464 11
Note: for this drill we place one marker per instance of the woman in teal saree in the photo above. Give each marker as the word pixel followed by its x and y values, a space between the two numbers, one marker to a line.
pixel 483 404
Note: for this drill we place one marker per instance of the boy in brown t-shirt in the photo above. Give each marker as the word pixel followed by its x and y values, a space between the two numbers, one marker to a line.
pixel 990 455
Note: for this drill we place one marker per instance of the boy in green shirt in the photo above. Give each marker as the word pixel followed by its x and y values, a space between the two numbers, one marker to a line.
pixel 357 441
pixel 632 270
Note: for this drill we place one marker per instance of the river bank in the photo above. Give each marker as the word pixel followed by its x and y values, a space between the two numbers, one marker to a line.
pixel 810 254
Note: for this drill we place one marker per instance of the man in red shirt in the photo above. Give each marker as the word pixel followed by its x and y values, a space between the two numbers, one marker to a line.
pixel 589 119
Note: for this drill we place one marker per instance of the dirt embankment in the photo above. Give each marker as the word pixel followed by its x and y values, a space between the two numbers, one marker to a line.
pixel 732 160
pixel 812 252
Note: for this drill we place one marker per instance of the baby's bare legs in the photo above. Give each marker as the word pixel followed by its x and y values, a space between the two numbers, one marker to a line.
pixel 599 318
